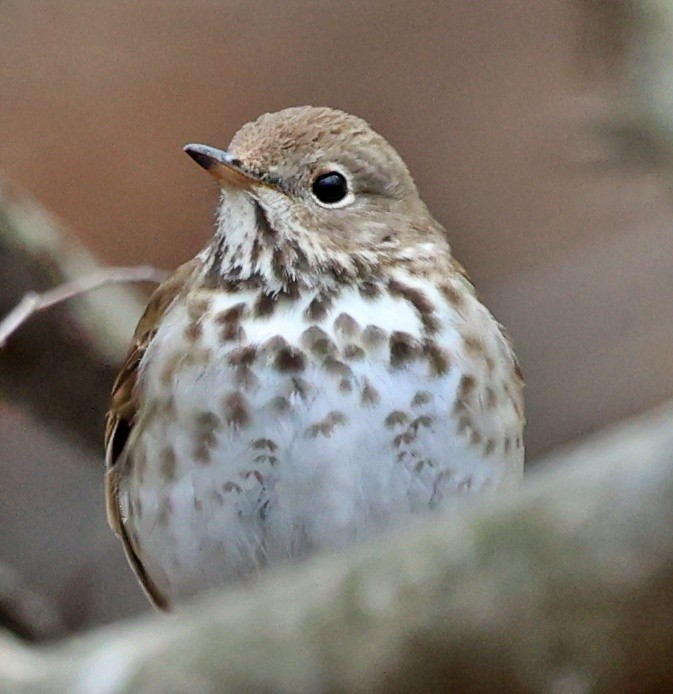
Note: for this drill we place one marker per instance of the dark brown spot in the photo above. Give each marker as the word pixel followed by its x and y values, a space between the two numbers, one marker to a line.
pixel 270 348
pixel 475 437
pixel 255 251
pixel 354 352
pixel 346 385
pixel 438 358
pixel 206 424
pixel 405 437
pixel 167 466
pixel 231 487
pixel 280 405
pixel 265 305
pixel 279 263
pixel 230 320
pixel 452 295
pixel 369 395
pixel 319 307
pixel 243 356
pixel 337 368
pixel 403 348
pixel 236 410
pixel 362 266
pixel 395 418
pixel 489 447
pixel 419 300
pixel 507 445
pixel 373 336
pixel 369 290
pixel 423 397
pixel 289 360
pixel 424 420
pixel 207 421
pixel 466 386
pixel 327 425
pixel 346 325
pixel 231 315
pixel 247 474
pixel 264 229
pixel 317 341
pixel 263 444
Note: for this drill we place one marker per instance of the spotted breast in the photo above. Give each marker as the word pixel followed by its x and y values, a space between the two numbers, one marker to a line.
pixel 321 370
pixel 274 429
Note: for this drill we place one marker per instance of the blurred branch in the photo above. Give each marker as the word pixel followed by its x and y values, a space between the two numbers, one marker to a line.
pixel 61 366
pixel 563 588
pixel 33 302
pixel 634 39
pixel 24 612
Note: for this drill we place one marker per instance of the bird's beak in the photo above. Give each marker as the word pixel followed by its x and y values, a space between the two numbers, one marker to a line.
pixel 221 165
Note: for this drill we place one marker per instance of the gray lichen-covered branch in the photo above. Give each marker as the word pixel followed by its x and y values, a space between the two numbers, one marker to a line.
pixel 565 587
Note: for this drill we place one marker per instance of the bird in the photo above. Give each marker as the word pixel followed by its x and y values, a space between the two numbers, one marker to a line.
pixel 321 371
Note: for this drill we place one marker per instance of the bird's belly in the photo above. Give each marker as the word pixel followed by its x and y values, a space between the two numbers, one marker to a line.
pixel 265 450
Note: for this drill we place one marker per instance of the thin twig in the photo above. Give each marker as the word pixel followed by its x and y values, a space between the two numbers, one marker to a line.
pixel 33 302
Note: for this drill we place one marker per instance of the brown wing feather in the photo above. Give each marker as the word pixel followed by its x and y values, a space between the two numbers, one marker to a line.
pixel 121 416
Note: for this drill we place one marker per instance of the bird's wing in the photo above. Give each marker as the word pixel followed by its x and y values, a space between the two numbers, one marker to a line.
pixel 121 417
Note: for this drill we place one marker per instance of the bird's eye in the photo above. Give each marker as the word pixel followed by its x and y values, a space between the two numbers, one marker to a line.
pixel 330 188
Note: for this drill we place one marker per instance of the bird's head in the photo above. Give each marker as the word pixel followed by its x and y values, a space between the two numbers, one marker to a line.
pixel 313 191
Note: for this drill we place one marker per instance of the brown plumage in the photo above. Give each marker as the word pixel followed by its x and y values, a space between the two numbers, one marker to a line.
pixel 121 415
pixel 327 319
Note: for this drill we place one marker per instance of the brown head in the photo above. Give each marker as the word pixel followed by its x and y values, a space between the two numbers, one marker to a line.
pixel 321 192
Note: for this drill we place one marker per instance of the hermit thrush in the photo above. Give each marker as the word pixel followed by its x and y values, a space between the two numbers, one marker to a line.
pixel 318 372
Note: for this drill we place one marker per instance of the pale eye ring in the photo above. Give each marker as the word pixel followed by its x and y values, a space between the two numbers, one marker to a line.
pixel 331 189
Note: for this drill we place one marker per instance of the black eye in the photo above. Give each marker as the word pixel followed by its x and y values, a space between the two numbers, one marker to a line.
pixel 330 188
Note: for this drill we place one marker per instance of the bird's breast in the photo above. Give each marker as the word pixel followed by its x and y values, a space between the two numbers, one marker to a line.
pixel 272 426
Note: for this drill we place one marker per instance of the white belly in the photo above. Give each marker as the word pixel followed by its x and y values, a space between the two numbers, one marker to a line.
pixel 245 464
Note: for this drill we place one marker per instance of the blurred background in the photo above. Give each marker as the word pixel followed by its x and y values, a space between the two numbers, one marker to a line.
pixel 536 131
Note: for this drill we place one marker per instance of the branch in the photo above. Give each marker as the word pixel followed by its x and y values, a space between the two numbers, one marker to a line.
pixel 565 587
pixel 60 367
pixel 33 302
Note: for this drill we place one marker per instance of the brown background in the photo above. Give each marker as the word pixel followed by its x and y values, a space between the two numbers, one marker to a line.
pixel 494 104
